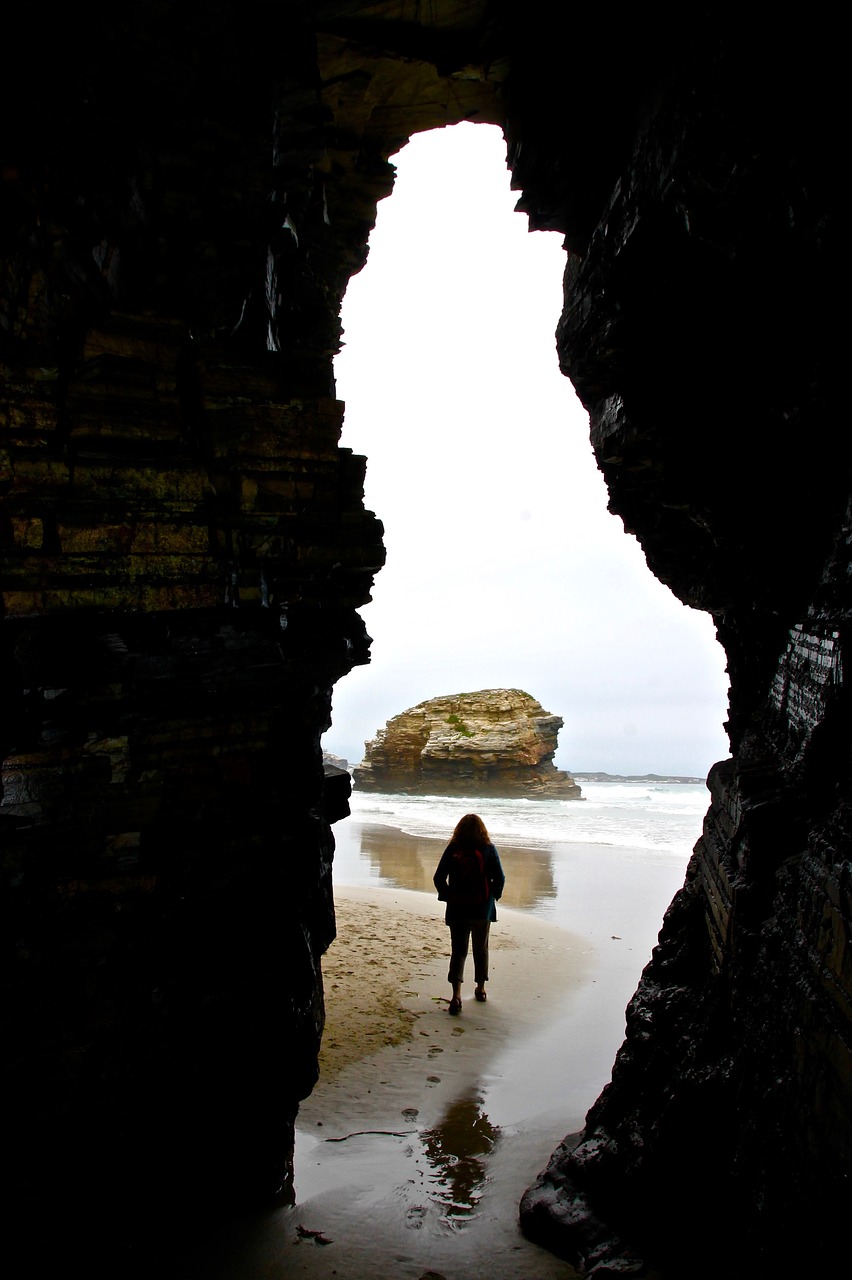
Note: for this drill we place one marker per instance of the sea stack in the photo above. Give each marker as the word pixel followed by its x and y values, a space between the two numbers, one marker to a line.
pixel 496 742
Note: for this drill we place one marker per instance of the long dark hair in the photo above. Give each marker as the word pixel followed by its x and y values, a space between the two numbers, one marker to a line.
pixel 470 832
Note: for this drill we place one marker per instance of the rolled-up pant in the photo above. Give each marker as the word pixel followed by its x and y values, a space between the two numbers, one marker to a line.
pixel 462 935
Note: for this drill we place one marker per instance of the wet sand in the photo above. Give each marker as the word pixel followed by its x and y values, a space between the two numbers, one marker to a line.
pixel 425 1129
pixel 387 970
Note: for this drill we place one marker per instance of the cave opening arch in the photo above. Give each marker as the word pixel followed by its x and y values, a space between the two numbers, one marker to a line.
pixel 504 566
pixel 167 471
pixel 412 433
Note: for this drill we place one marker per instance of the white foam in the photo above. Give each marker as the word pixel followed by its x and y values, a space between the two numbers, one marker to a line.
pixel 665 817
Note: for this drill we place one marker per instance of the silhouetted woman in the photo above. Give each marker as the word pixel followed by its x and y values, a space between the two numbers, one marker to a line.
pixel 469 879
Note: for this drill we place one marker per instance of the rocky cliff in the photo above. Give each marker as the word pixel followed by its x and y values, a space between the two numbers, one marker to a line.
pixel 496 742
pixel 186 190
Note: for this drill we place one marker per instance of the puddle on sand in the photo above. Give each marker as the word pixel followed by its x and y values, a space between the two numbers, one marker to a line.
pixel 435 1176
pixel 456 1151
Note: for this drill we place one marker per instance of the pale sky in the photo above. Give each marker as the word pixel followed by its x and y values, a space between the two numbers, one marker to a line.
pixel 504 567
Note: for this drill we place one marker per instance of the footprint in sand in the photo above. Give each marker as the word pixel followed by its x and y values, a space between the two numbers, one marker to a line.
pixel 434 1050
pixel 433 1079
pixel 410 1113
pixel 457 1031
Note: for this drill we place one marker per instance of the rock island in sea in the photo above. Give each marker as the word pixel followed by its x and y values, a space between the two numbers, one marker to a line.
pixel 496 742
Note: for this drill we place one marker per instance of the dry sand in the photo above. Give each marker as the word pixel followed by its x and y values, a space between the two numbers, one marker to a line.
pixel 387 969
pixel 369 973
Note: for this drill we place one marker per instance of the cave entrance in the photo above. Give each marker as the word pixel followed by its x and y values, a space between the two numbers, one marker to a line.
pixel 504 570
pixel 504 567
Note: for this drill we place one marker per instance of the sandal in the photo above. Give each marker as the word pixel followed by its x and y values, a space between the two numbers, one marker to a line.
pixel 480 994
pixel 455 1005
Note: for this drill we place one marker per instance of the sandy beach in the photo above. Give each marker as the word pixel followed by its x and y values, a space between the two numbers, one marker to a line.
pixel 387 970
pixel 424 1129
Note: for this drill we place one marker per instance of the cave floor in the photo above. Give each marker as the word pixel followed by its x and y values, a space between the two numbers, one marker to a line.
pixel 411 1160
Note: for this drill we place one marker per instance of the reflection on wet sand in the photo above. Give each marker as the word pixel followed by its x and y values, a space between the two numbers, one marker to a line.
pixel 457 1149
pixel 409 862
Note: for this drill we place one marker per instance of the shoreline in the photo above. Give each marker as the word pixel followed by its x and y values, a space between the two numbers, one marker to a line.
pixel 424 1130
pixel 407 975
pixel 399 860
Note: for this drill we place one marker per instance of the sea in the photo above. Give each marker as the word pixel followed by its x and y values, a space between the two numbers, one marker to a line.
pixel 556 853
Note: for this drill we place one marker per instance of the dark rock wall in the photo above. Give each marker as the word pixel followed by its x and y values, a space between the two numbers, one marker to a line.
pixel 184 550
pixel 698 331
pixel 186 190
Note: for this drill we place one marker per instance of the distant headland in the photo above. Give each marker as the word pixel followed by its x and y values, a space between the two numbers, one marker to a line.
pixel 584 775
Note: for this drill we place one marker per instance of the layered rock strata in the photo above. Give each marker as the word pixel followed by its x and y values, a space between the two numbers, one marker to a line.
pixel 496 742
pixel 186 192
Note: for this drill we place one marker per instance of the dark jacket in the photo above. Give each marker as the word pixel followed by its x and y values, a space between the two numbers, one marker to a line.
pixel 496 881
